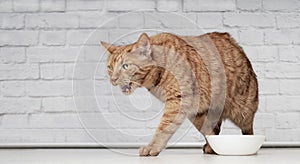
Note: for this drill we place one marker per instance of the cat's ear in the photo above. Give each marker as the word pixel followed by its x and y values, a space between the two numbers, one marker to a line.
pixel 109 47
pixel 144 44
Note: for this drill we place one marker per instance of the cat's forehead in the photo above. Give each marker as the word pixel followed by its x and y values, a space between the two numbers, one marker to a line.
pixel 123 53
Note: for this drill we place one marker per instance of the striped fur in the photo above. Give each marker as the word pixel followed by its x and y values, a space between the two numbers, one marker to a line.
pixel 184 72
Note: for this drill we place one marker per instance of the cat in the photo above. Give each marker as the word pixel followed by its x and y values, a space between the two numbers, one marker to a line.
pixel 184 72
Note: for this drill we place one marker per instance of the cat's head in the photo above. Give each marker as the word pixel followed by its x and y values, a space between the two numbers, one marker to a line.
pixel 128 65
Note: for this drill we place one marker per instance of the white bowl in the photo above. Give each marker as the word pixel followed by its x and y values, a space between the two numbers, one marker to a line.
pixel 235 144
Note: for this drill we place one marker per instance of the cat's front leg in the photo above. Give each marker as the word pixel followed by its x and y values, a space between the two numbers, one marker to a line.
pixel 171 120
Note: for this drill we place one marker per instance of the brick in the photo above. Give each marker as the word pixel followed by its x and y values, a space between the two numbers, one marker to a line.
pixel 290 87
pixel 12 21
pixel 209 5
pixel 282 103
pixel 52 104
pixel 49 88
pixel 119 5
pixel 82 88
pixel 25 6
pixel 287 120
pixel 54 120
pixel 18 38
pixel 69 71
pixel 261 53
pixel 86 104
pixel 104 88
pixel 19 121
pixel 70 104
pixel 131 20
pixel 97 20
pixel 267 54
pixel 289 53
pixel 12 55
pixel 52 5
pixel 282 37
pixel 209 20
pixel 6 5
pixel 262 103
pixel 77 5
pixel 251 37
pixel 135 104
pixel 122 135
pixel 94 54
pixel 19 105
pixel 81 71
pixel 164 20
pixel 278 5
pixel 277 37
pixel 52 20
pixel 52 71
pixel 249 5
pixel 103 104
pixel 268 87
pixel 288 21
pixel 101 71
pixel 86 70
pixel 133 123
pixel 13 88
pixel 259 69
pixel 79 135
pixel 183 135
pixel 168 5
pixel 183 32
pixel 251 52
pixel 19 71
pixel 100 120
pixel 52 54
pixel 30 135
pixel 118 36
pixel 86 37
pixel 280 134
pixel 52 38
pixel 282 70
pixel 57 104
pixel 139 119
pixel 249 20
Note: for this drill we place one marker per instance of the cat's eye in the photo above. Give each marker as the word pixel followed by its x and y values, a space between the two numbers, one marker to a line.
pixel 125 66
pixel 109 68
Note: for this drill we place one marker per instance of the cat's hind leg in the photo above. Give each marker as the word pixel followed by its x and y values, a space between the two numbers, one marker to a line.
pixel 244 120
pixel 248 128
pixel 216 131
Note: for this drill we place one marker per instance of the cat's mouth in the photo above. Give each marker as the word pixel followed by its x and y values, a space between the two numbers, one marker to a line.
pixel 128 88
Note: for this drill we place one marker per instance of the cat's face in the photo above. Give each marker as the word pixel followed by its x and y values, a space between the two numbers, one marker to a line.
pixel 128 65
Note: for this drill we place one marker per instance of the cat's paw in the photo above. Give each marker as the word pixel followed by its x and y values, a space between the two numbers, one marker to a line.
pixel 149 151
pixel 208 150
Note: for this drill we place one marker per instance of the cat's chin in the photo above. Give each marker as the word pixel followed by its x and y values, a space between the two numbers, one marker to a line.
pixel 128 88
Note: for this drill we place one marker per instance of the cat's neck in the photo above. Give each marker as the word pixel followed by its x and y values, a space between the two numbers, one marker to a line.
pixel 153 78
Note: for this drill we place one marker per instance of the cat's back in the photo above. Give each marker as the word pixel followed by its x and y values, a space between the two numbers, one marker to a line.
pixel 240 78
pixel 235 61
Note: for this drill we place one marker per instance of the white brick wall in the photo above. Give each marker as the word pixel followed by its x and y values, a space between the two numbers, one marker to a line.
pixel 42 43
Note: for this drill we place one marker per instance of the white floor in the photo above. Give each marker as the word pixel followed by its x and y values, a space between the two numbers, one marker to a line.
pixel 124 156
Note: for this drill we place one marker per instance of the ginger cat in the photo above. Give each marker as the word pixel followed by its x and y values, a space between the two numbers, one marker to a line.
pixel 205 78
